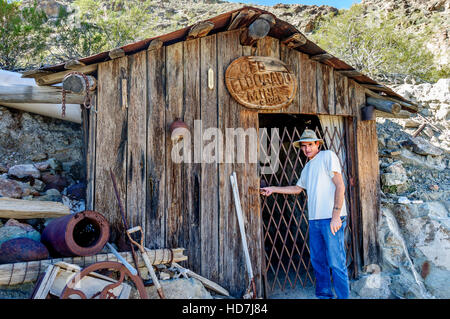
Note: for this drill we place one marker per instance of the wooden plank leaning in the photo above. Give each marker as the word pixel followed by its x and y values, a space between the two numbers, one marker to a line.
pixel 206 282
pixel 240 217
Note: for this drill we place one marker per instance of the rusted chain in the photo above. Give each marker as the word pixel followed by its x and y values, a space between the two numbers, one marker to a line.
pixel 87 98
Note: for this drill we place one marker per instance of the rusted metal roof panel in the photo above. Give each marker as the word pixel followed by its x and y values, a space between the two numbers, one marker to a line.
pixel 281 30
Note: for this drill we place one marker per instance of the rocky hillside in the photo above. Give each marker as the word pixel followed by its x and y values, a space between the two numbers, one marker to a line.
pixel 169 15
pixel 414 226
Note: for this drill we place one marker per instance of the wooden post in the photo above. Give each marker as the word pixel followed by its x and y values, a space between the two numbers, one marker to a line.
pixel 73 64
pixel 257 30
pixel 242 16
pixel 155 44
pixel 368 183
pixel 384 105
pixel 36 94
pixel 321 57
pixel 200 29
pixel 48 78
pixel 76 83
pixel 116 53
pixel 295 40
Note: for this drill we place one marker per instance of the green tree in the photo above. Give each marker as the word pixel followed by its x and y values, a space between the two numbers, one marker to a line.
pixel 121 22
pixel 23 33
pixel 376 43
pixel 73 38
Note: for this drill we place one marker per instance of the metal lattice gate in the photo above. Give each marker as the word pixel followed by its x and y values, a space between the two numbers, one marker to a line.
pixel 285 221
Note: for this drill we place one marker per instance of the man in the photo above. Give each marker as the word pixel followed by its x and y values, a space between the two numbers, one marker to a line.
pixel 321 178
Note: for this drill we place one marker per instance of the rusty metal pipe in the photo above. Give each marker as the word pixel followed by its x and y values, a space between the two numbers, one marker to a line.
pixel 81 234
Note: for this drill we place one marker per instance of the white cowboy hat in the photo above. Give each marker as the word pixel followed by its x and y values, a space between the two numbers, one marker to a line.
pixel 307 136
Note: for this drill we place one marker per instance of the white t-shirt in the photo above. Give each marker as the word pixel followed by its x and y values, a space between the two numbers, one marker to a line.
pixel 316 180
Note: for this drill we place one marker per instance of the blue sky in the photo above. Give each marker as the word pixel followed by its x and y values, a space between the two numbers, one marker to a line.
pixel 340 4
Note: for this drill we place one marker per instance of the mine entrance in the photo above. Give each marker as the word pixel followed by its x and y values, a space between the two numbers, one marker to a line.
pixel 286 260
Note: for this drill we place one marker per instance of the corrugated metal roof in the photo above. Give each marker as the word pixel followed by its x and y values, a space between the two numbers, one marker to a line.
pixel 281 30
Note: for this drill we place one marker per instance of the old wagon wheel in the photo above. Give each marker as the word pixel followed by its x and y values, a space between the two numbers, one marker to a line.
pixel 106 293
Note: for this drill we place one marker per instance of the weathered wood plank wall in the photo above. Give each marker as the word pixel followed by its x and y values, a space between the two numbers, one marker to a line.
pixel 368 183
pixel 156 216
pixel 191 204
pixel 111 142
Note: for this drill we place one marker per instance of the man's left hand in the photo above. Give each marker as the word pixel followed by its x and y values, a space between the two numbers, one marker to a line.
pixel 335 225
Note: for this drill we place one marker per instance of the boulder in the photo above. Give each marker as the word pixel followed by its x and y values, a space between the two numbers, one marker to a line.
pixel 426 228
pixel 24 170
pixel 10 188
pixel 406 282
pixel 443 112
pixel 421 146
pixel 437 282
pixel 38 185
pixel 373 286
pixel 54 181
pixel 181 288
pixel 440 91
pixel 11 232
pixel 52 195
pixel 76 191
pixel 42 166
pixel 421 161
pixel 24 226
pixel 395 175
pixel 22 249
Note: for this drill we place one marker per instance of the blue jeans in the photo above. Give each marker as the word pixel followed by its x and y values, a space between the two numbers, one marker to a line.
pixel 328 252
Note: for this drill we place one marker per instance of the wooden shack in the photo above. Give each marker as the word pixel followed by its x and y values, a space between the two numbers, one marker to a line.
pixel 143 87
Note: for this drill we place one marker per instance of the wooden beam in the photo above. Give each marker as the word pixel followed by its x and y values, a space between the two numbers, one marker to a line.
pixel 37 94
pixel 384 105
pixel 116 53
pixel 321 57
pixel 368 181
pixel 257 30
pixel 34 73
pixel 73 65
pixel 411 107
pixel 155 44
pixel 26 209
pixel 269 17
pixel 53 78
pixel 377 87
pixel 242 16
pixel 350 73
pixel 76 83
pixel 295 40
pixel 403 114
pixel 200 29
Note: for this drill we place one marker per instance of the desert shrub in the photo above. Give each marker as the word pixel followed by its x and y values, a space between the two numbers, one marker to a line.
pixel 378 44
pixel 23 33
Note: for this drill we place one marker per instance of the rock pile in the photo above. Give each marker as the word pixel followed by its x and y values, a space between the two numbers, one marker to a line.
pixel 414 226
pixel 50 180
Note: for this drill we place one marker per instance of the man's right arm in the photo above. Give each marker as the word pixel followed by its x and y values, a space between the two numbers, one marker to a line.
pixel 294 190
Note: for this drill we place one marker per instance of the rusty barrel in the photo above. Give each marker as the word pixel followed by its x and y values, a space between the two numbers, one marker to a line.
pixel 80 234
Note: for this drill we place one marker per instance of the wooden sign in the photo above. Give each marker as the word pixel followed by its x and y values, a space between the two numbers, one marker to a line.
pixel 260 82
